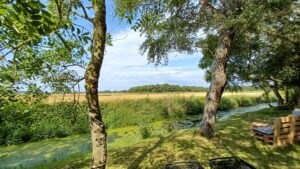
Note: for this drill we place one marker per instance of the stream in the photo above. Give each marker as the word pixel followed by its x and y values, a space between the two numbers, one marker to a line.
pixel 45 151
pixel 195 121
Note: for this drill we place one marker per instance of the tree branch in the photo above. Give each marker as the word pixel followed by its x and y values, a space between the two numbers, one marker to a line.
pixel 205 4
pixel 83 16
pixel 15 48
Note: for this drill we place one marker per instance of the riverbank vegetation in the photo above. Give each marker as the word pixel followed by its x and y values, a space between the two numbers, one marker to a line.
pixel 129 150
pixel 41 121
pixel 43 44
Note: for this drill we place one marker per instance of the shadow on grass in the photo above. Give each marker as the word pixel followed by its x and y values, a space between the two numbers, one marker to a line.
pixel 232 138
pixel 235 137
pixel 142 156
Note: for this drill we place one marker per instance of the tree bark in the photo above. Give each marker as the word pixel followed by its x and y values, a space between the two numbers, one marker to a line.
pixel 218 82
pixel 286 94
pixel 267 95
pixel 97 127
pixel 277 94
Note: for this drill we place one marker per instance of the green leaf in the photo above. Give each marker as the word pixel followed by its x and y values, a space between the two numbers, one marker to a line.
pixel 3 11
pixel 36 17
pixel 36 23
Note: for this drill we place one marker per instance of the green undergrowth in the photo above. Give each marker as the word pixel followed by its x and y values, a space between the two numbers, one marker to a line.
pixel 128 149
pixel 22 122
pixel 232 138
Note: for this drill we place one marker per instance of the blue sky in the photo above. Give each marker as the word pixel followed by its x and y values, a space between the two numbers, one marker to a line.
pixel 125 67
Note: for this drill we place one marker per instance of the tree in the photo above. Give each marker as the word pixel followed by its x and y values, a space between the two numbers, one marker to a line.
pixel 266 54
pixel 50 38
pixel 92 77
pixel 178 26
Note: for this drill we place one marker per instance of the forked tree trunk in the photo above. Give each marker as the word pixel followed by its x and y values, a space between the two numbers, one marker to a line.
pixel 218 82
pixel 277 94
pixel 92 74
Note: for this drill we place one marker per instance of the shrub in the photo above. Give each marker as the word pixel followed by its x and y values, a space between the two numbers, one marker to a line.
pixel 194 106
pixel 246 101
pixel 145 131
pixel 227 103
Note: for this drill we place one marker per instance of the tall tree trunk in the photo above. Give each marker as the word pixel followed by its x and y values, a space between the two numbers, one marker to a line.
pixel 218 82
pixel 92 74
pixel 277 94
pixel 286 94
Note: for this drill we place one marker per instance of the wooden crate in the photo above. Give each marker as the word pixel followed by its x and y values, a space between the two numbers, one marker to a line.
pixel 286 131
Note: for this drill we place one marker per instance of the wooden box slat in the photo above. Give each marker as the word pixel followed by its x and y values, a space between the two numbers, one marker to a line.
pixel 286 131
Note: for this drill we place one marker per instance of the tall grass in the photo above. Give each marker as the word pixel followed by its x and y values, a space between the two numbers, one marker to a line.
pixel 21 122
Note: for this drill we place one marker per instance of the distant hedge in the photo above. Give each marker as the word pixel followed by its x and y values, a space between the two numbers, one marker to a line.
pixel 159 88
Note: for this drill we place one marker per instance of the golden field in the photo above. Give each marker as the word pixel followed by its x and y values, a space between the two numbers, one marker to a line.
pixel 108 97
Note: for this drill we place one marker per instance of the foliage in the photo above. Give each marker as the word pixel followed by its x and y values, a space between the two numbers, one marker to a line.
pixel 265 52
pixel 165 88
pixel 23 121
pixel 145 131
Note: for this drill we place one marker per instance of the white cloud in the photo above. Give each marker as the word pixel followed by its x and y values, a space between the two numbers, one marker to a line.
pixel 124 66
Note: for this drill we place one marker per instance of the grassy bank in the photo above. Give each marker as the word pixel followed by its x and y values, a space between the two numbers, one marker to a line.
pixel 127 148
pixel 23 122
pixel 232 138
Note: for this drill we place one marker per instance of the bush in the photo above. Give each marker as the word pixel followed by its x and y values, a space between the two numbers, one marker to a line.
pixel 194 106
pixel 246 101
pixel 145 131
pixel 227 103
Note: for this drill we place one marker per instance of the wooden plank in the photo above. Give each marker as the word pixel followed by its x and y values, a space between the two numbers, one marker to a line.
pixel 292 130
pixel 297 138
pixel 284 141
pixel 298 123
pixel 297 117
pixel 297 128
pixel 277 127
pixel 284 130
pixel 285 125
pixel 297 133
pixel 285 119
pixel 285 136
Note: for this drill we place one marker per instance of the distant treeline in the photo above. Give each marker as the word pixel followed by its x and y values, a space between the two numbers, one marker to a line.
pixel 161 88
pixel 158 88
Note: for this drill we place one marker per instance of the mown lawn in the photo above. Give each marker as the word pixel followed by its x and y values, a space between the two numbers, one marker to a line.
pixel 232 138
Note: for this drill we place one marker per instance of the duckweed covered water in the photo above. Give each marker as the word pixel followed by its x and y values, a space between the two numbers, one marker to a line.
pixel 46 151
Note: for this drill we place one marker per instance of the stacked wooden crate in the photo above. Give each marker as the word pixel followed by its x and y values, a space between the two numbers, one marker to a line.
pixel 286 130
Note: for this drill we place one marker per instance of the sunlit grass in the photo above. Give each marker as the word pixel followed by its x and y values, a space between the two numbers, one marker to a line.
pixel 232 138
pixel 107 97
pixel 127 149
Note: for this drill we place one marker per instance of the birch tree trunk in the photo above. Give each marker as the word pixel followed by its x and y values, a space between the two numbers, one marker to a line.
pixel 92 74
pixel 218 82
